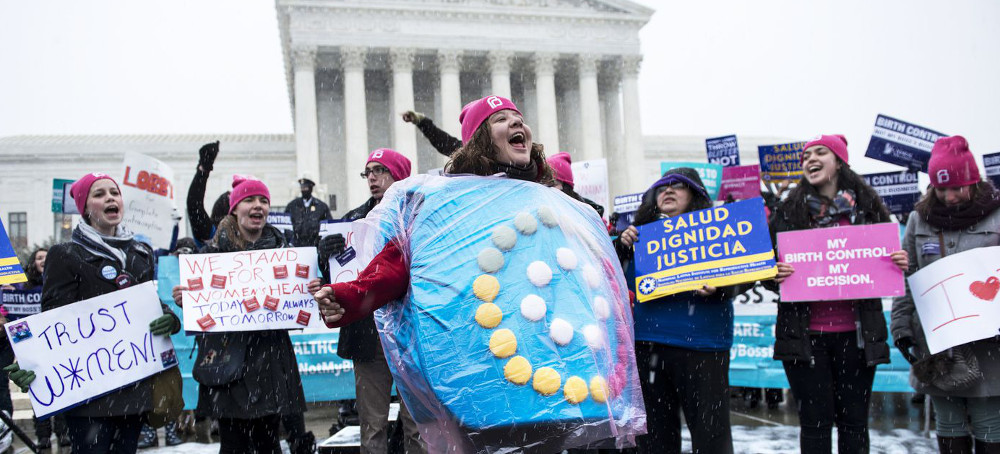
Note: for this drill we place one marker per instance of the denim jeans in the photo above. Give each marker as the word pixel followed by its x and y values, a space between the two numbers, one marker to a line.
pixel 956 415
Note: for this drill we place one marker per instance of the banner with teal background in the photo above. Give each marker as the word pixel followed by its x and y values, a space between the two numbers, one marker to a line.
pixel 711 174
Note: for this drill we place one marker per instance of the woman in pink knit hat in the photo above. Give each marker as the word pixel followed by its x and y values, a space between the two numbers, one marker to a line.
pixel 830 349
pixel 960 212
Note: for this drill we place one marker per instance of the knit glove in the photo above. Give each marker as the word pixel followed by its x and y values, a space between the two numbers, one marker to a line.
pixel 21 378
pixel 207 154
pixel 330 246
pixel 413 117
pixel 162 326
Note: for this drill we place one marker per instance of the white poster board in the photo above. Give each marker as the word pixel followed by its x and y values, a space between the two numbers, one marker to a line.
pixel 148 192
pixel 956 298
pixel 345 266
pixel 249 290
pixel 90 348
pixel 590 180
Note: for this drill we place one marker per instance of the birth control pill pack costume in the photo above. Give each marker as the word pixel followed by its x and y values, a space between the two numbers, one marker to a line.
pixel 516 329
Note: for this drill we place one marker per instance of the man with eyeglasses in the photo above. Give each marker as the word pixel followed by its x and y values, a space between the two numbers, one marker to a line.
pixel 359 341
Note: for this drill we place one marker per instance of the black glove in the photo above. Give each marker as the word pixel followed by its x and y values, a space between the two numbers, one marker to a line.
pixel 330 246
pixel 207 154
pixel 904 344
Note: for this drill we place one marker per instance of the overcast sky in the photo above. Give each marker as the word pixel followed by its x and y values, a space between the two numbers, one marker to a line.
pixel 712 67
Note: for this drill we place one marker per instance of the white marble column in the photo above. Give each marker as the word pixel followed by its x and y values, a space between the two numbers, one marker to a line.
pixel 634 153
pixel 404 134
pixel 449 67
pixel 614 143
pixel 547 132
pixel 355 124
pixel 500 72
pixel 306 126
pixel 590 109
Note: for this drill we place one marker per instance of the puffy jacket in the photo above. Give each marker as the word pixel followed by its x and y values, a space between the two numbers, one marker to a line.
pixel 269 381
pixel 306 220
pixel 73 274
pixel 359 341
pixel 906 321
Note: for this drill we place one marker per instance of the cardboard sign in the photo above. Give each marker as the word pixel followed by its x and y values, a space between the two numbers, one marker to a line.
pixel 148 191
pixel 956 298
pixel 723 151
pixel 22 302
pixel 249 290
pixel 991 162
pixel 901 143
pixel 345 266
pixel 711 174
pixel 841 263
pixel 742 182
pixel 719 246
pixel 899 190
pixel 10 266
pixel 590 180
pixel 626 206
pixel 86 349
pixel 781 162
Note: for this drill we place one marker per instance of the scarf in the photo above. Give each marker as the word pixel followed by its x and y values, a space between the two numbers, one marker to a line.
pixel 965 215
pixel 525 173
pixel 109 247
pixel 826 212
pixel 227 238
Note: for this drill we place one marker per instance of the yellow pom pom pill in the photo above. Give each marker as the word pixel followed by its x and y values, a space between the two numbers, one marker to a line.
pixel 546 381
pixel 517 370
pixel 599 389
pixel 488 315
pixel 486 287
pixel 503 343
pixel 575 390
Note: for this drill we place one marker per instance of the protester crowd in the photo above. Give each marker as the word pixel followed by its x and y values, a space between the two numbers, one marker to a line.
pixel 250 385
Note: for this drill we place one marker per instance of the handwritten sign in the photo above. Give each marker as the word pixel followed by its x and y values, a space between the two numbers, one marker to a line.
pixel 86 349
pixel 740 182
pixel 724 151
pixel 249 290
pixel 840 263
pixel 22 302
pixel 956 298
pixel 901 143
pixel 10 266
pixel 148 191
pixel 710 174
pixel 590 180
pixel 346 266
pixel 718 246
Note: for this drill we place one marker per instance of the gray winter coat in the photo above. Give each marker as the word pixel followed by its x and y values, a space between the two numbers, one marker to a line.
pixel 906 322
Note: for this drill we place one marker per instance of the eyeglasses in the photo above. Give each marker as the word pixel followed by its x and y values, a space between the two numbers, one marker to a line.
pixel 676 186
pixel 377 170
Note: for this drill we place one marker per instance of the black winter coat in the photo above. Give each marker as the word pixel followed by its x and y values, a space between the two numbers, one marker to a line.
pixel 306 220
pixel 359 341
pixel 792 326
pixel 73 274
pixel 269 381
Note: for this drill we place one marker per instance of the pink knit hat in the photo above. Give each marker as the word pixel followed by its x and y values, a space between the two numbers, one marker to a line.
pixel 81 189
pixel 476 112
pixel 952 165
pixel 837 143
pixel 561 164
pixel 398 165
pixel 246 186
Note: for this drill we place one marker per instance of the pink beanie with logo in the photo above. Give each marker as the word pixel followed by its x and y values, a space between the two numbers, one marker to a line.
pixel 81 189
pixel 476 112
pixel 561 164
pixel 246 186
pixel 952 165
pixel 398 165
pixel 837 143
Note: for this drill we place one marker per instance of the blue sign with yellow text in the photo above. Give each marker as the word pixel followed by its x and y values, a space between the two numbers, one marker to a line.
pixel 781 162
pixel 720 246
pixel 10 267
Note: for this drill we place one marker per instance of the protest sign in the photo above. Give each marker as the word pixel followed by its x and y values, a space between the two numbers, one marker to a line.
pixel 899 190
pixel 711 174
pixel 61 201
pixel 719 246
pixel 723 151
pixel 901 143
pixel 282 222
pixel 991 162
pixel 625 206
pixel 89 348
pixel 956 298
pixel 10 266
pixel 781 162
pixel 21 303
pixel 148 193
pixel 590 180
pixel 249 290
pixel 839 263
pixel 742 182
pixel 346 266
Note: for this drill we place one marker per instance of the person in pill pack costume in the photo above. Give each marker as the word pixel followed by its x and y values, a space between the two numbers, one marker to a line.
pixel 503 307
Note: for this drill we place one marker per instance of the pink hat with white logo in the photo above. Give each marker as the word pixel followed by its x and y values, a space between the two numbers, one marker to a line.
pixel 476 112
pixel 952 165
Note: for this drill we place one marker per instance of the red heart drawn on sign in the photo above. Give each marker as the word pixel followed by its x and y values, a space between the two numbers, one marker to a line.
pixel 985 290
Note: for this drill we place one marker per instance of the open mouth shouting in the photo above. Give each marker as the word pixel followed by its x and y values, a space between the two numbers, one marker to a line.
pixel 518 141
pixel 257 217
pixel 112 211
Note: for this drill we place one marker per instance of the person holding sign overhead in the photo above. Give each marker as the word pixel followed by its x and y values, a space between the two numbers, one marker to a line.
pixel 682 340
pixel 958 214
pixel 830 348
pixel 102 257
